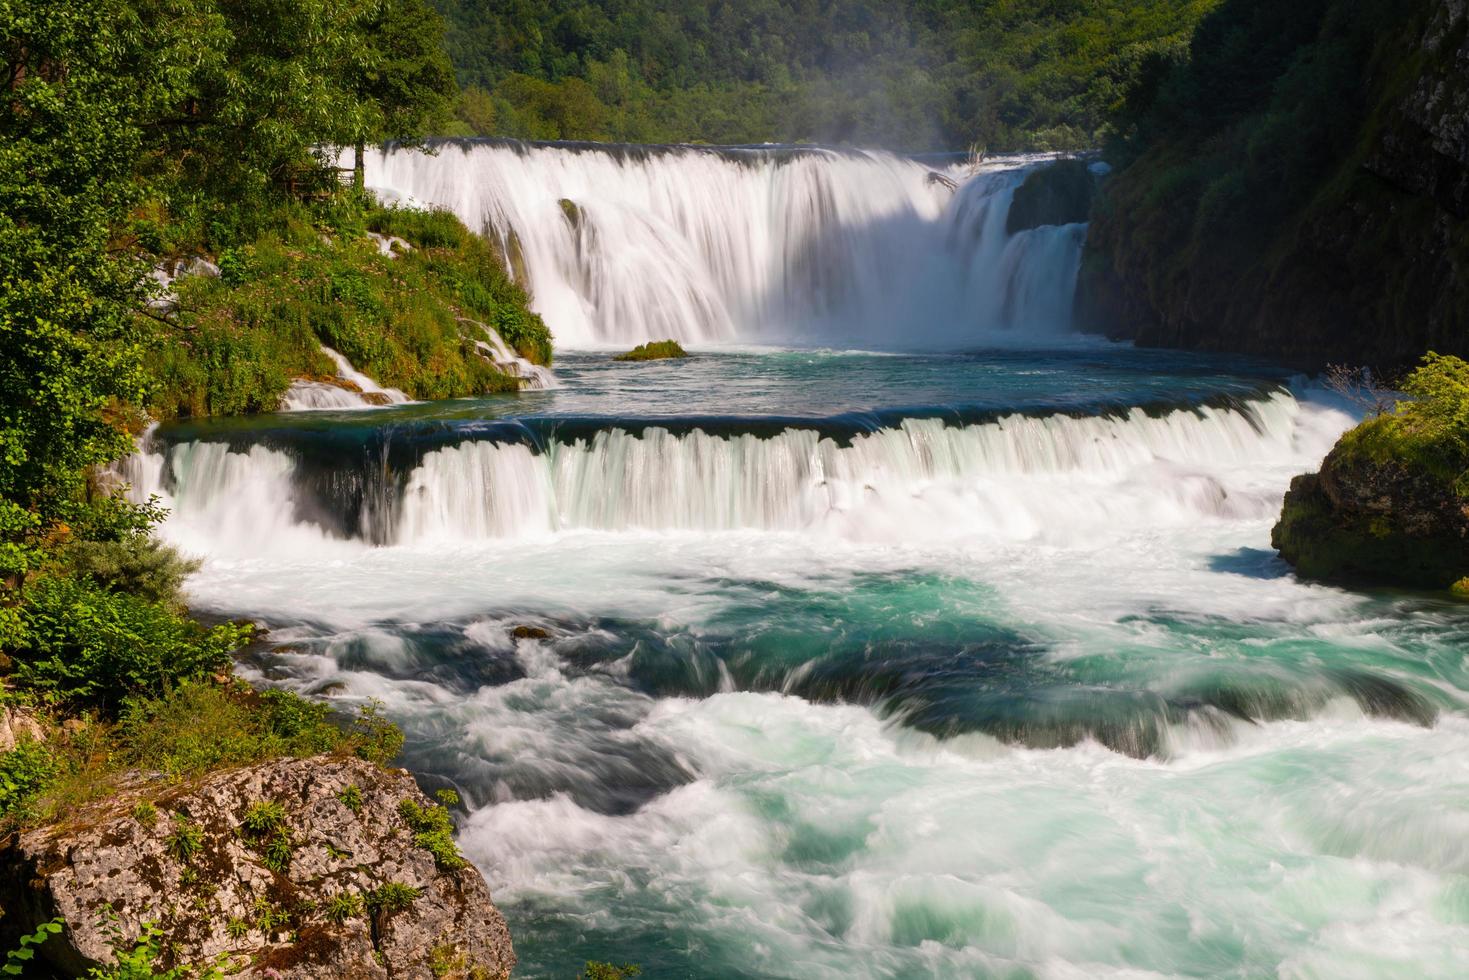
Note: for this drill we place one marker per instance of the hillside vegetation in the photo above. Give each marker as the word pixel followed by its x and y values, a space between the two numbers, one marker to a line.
pixel 137 135
pixel 410 318
pixel 1297 185
pixel 909 74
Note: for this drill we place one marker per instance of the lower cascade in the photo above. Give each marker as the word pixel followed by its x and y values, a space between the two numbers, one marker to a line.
pixel 922 476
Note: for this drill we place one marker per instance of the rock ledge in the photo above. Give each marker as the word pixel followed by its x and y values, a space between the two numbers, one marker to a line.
pixel 323 912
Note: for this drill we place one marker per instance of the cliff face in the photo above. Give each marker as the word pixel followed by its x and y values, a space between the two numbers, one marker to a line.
pixel 1320 216
pixel 306 868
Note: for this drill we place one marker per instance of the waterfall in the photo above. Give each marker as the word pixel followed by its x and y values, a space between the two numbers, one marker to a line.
pixel 308 396
pixel 620 245
pixel 1053 477
pixel 536 378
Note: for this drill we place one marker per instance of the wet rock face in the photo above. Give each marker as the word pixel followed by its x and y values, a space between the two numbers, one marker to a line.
pixel 1425 149
pixel 1058 194
pixel 295 868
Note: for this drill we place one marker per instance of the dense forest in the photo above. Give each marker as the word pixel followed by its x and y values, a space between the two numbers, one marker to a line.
pixel 1298 184
pixel 911 74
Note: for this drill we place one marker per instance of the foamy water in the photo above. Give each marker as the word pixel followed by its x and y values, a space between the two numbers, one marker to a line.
pixel 854 666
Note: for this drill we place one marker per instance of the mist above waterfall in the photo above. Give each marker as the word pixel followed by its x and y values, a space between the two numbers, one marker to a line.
pixel 806 247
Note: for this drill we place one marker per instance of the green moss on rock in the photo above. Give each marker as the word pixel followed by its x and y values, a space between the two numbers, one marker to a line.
pixel 1328 544
pixel 1389 505
pixel 656 350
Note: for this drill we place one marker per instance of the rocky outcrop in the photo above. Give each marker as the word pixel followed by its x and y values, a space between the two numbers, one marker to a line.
pixel 1361 521
pixel 1058 194
pixel 307 868
pixel 1424 147
pixel 1345 245
pixel 18 725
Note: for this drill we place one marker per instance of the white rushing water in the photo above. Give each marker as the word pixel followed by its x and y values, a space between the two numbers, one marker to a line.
pixel 1025 698
pixel 1019 478
pixel 312 396
pixel 858 249
pixel 803 839
pixel 536 377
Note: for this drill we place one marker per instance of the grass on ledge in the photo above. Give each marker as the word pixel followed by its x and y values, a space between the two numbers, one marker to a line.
pixel 238 340
pixel 655 350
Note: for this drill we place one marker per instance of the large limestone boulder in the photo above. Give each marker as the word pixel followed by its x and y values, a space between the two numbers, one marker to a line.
pixel 295 868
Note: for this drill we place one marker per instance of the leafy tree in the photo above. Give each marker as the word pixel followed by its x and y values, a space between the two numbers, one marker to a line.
pixel 78 80
pixel 266 91
pixel 402 75
pixel 909 73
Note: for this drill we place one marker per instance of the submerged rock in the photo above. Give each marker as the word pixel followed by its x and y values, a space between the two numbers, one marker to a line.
pixel 292 868
pixel 571 211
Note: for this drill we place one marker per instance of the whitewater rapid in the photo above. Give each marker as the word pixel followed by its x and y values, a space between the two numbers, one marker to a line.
pixel 705 245
pixel 1049 478
pixel 824 664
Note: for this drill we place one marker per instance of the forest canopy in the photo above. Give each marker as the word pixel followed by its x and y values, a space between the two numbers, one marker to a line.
pixel 905 74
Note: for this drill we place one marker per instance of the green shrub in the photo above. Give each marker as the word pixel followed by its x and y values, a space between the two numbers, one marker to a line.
pixel 276 852
pixel 139 564
pixel 392 897
pixel 1430 432
pixel 433 830
pixel 187 839
pixel 351 798
pixel 234 266
pixel 595 970
pixel 379 740
pixel 22 954
pixel 201 726
pixel 85 645
pixel 263 818
pixel 301 726
pixel 523 332
pixel 145 813
pixel 657 350
pixel 340 908
pixel 25 771
pixel 268 915
pixel 137 960
pixel 264 829
pixel 1439 412
pixel 435 228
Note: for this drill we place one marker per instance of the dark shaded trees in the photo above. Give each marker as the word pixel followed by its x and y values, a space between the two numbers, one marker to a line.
pixel 911 74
